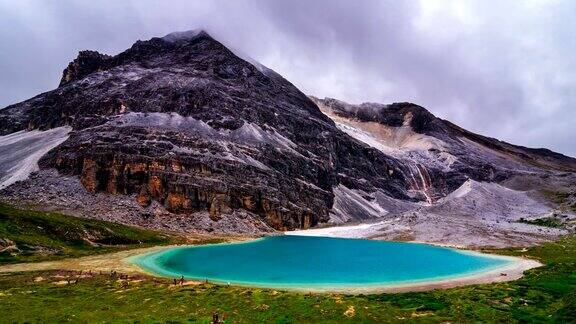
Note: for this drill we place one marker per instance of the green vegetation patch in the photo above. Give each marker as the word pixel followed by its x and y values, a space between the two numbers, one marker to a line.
pixel 564 199
pixel 558 197
pixel 546 221
pixel 36 236
pixel 544 295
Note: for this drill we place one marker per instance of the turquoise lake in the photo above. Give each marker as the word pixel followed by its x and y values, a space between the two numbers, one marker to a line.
pixel 300 262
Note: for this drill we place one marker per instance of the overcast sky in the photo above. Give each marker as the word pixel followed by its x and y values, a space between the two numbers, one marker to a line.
pixel 505 69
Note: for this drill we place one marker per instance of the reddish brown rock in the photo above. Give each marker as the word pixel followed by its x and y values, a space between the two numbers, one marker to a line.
pixel 88 176
pixel 144 199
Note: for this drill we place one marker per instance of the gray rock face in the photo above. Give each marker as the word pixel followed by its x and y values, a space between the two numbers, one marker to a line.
pixel 87 62
pixel 183 121
pixel 406 127
pixel 184 128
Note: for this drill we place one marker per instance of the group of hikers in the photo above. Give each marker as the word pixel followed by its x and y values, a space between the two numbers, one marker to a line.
pixel 73 277
pixel 179 281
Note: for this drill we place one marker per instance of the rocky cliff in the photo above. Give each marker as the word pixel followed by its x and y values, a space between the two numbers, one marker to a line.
pixel 183 121
pixel 410 132
pixel 180 126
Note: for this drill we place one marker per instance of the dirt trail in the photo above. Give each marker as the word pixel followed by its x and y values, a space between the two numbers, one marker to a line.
pixel 110 261
pixel 102 262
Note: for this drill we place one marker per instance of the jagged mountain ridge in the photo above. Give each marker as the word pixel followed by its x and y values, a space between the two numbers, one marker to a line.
pixel 184 121
pixel 505 184
pixel 404 128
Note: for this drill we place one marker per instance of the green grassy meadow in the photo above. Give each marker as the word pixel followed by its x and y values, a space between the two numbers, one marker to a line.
pixel 544 295
pixel 42 236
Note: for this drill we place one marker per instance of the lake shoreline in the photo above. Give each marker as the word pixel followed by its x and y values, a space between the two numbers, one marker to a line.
pixel 123 261
pixel 513 272
pixel 508 272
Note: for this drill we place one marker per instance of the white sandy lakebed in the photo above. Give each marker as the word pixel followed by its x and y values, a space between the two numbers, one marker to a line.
pixel 347 231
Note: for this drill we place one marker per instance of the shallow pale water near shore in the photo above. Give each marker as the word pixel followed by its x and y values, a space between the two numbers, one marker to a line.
pixel 321 263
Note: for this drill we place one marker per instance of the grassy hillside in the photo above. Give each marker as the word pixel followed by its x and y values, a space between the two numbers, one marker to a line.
pixel 36 236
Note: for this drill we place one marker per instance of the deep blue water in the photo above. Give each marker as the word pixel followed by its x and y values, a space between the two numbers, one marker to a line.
pixel 299 261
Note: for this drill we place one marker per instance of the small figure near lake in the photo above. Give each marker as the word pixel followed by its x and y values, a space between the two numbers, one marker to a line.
pixel 215 318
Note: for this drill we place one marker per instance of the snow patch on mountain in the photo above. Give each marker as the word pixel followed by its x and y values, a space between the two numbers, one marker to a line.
pixel 21 151
pixel 350 231
pixel 253 132
pixel 349 202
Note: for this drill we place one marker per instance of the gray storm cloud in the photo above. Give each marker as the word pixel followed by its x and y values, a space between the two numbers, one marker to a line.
pixel 506 69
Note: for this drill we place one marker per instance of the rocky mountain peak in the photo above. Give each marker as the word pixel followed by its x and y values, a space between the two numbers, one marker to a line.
pixel 394 115
pixel 189 133
pixel 188 73
pixel 183 122
pixel 185 35
pixel 410 132
pixel 87 62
